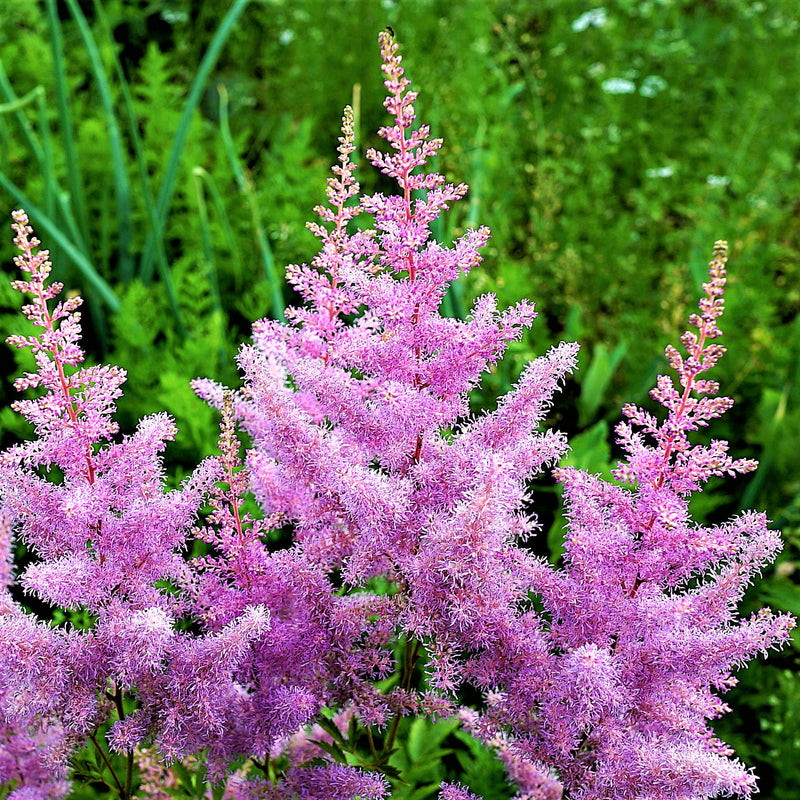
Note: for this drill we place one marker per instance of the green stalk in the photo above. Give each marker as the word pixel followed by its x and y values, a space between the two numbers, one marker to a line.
pixel 121 184
pixel 129 776
pixel 74 181
pixel 168 184
pixel 411 650
pixel 49 226
pixel 119 702
pixel 246 187
pixel 120 788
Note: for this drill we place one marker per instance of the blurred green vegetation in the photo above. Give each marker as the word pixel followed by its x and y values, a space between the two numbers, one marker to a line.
pixel 170 152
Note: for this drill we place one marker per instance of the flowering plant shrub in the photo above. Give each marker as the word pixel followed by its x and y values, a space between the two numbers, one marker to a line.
pixel 286 673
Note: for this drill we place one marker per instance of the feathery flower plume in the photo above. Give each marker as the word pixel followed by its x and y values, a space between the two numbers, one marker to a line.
pixel 641 629
pixel 108 540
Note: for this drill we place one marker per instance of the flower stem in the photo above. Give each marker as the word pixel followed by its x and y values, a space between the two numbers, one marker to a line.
pixel 124 792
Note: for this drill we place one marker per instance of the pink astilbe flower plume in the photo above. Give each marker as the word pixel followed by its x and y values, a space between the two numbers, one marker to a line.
pixel 348 419
pixel 107 539
pixel 107 532
pixel 642 631
pixel 358 409
pixel 33 747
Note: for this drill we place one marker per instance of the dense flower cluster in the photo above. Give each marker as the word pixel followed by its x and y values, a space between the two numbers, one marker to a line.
pixel 641 626
pixel 409 519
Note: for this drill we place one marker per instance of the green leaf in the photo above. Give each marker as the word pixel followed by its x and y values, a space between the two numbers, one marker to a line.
pixel 425 791
pixel 352 729
pixel 597 378
pixel 185 778
pixel 218 790
pixel 390 771
pixel 425 736
pixel 590 450
pixel 332 749
pixel 330 727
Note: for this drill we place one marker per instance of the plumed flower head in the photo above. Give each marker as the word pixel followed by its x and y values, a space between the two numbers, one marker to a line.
pixel 106 532
pixel 75 410
pixel 643 620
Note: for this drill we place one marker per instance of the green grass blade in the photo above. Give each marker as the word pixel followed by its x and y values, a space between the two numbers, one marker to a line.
pixel 46 224
pixel 5 141
pixel 146 190
pixel 74 182
pixel 119 170
pixel 47 153
pixel 168 184
pixel 477 177
pixel 246 187
pixel 227 228
pixel 199 174
pixel 42 153
pixel 201 178
pixel 26 100
pixel 15 105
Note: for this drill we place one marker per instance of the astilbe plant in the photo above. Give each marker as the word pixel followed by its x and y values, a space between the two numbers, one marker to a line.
pixel 407 578
pixel 639 631
pixel 108 540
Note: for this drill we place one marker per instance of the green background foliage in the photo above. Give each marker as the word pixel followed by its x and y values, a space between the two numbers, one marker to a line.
pixel 169 154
